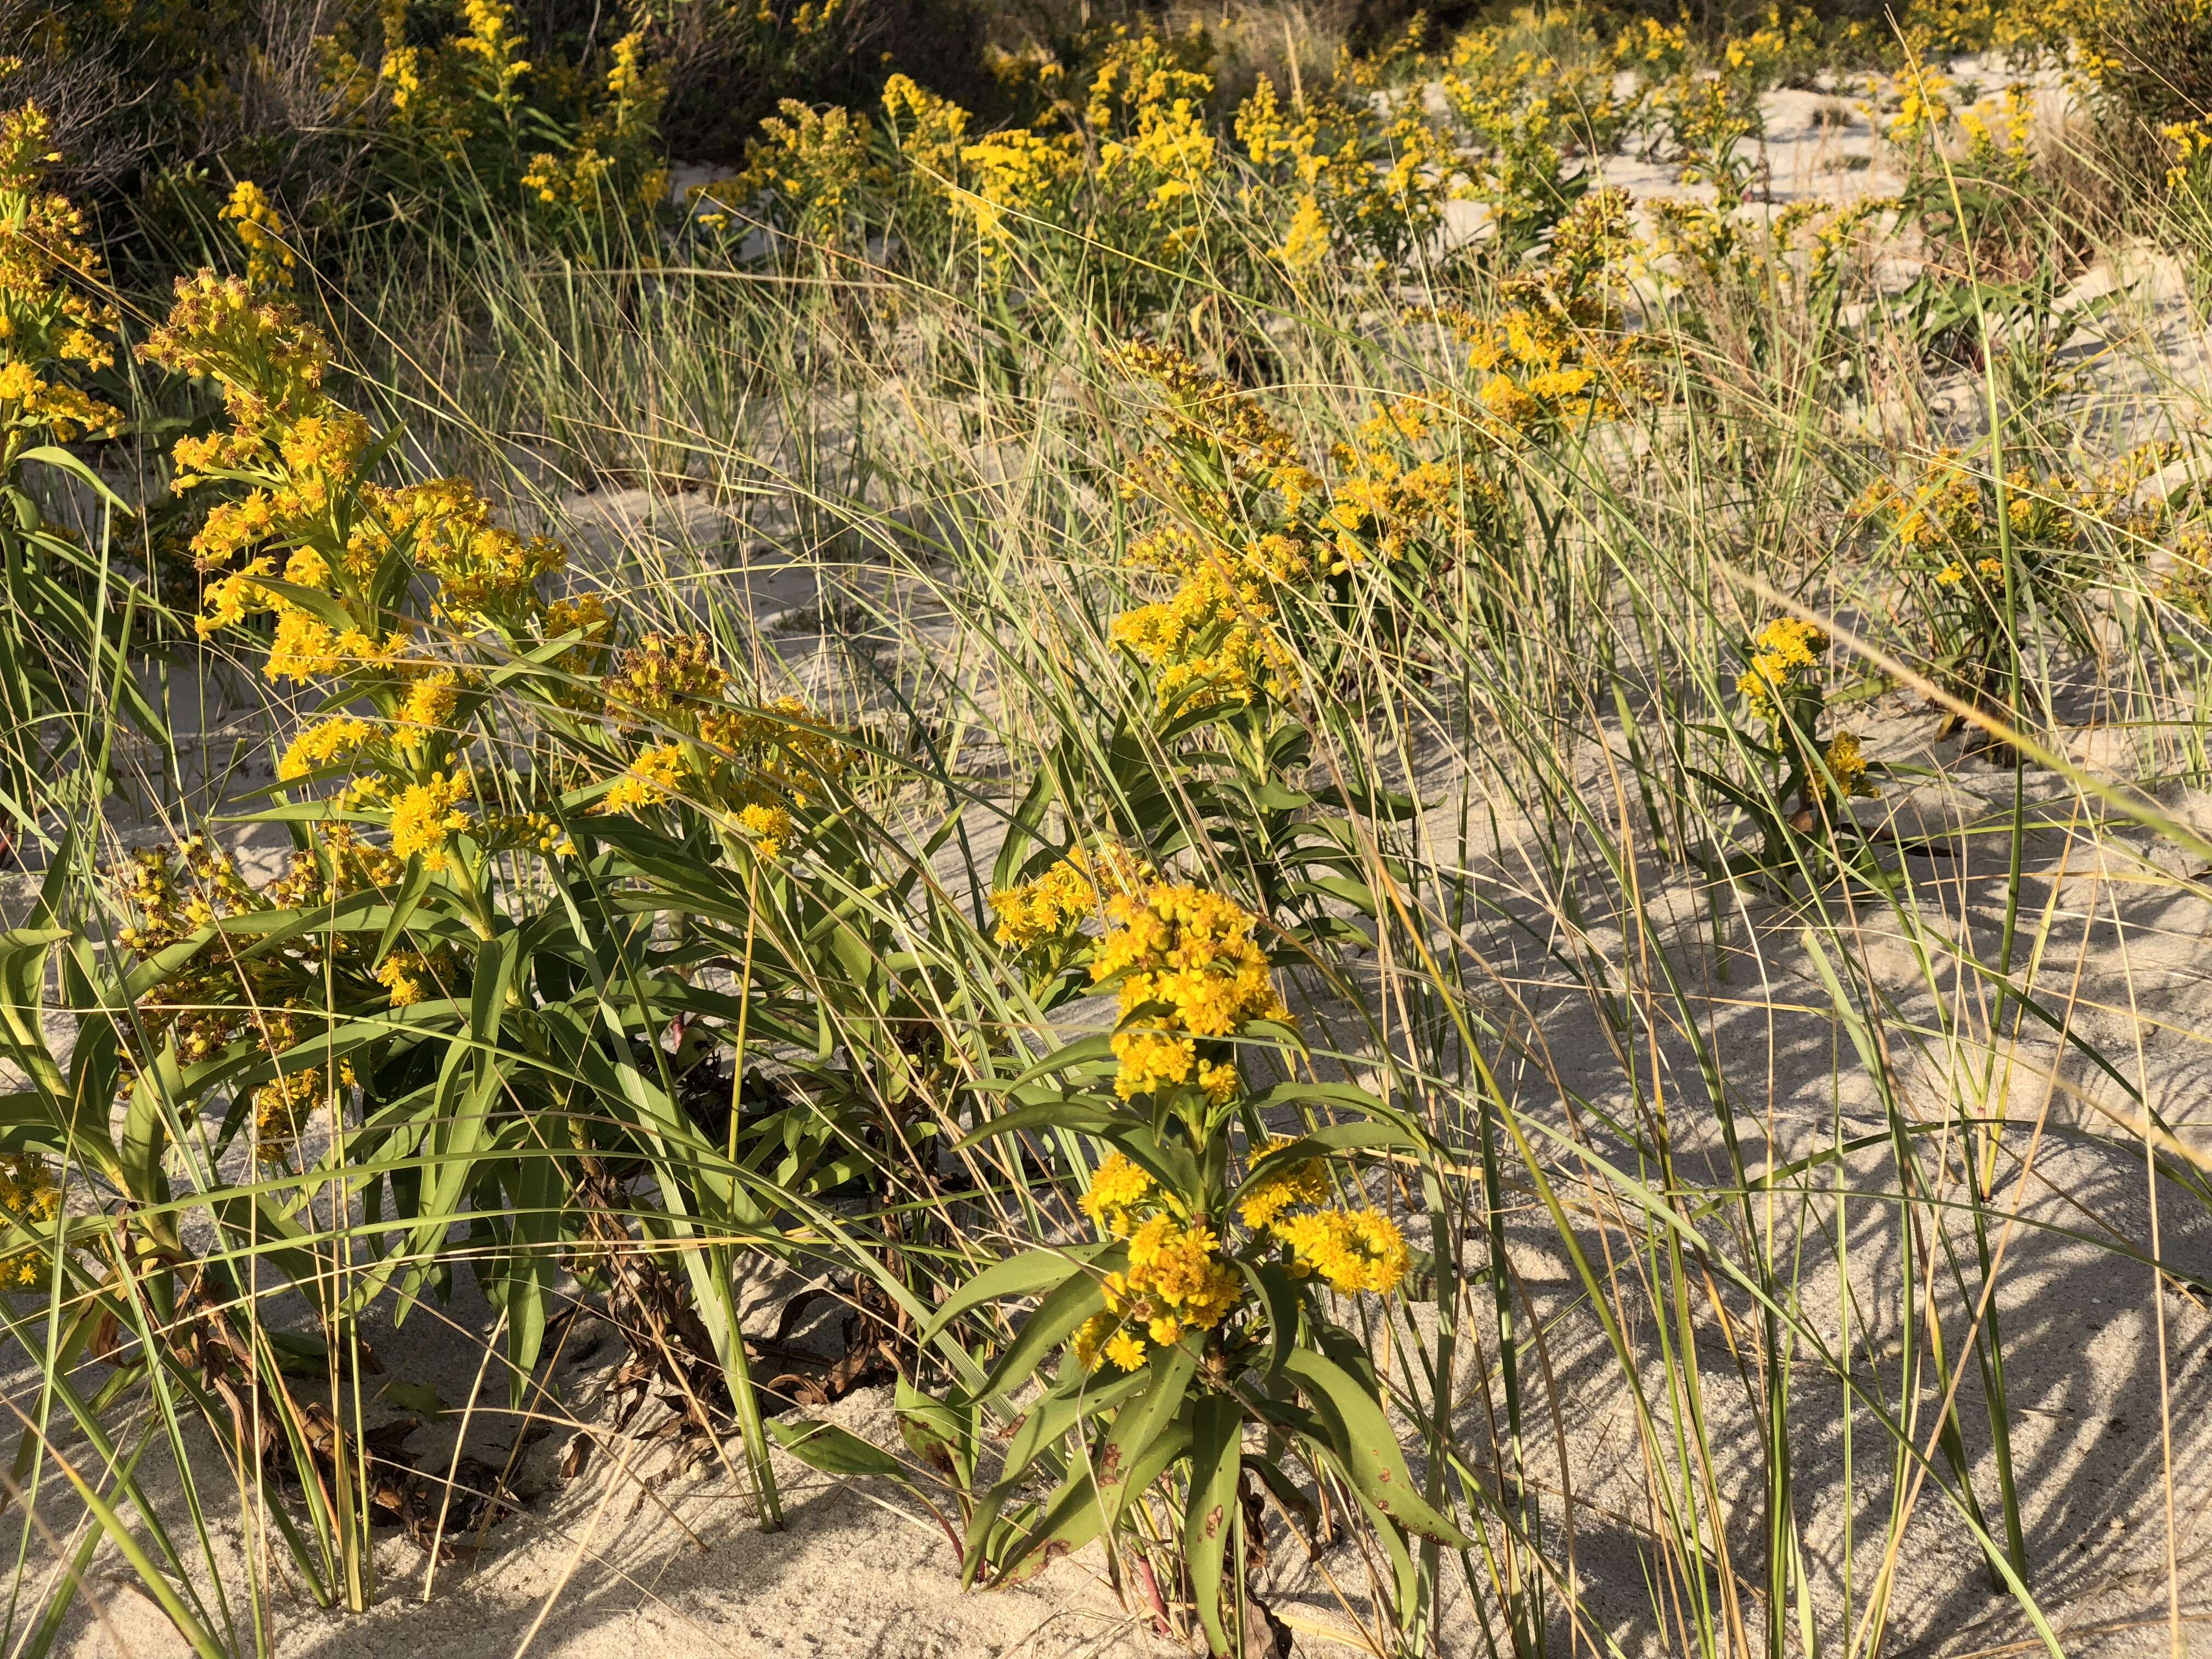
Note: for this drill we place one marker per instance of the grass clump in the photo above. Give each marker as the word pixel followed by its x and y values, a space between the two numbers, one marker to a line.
pixel 1363 839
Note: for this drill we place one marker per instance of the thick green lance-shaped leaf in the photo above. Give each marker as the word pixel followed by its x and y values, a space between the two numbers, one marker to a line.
pixel 833 1451
pixel 1170 1163
pixel 1278 1294
pixel 1022 830
pixel 1344 1095
pixel 941 1434
pixel 1368 1447
pixel 534 1270
pixel 1050 1325
pixel 470 1082
pixel 1076 1517
pixel 1018 1275
pixel 1330 1140
pixel 1402 1570
pixel 1075 1398
pixel 59 458
pixel 1138 1424
pixel 1085 1117
pixel 1083 1051
pixel 146 1126
pixel 1079 1397
pixel 412 887
pixel 1209 1523
pixel 22 996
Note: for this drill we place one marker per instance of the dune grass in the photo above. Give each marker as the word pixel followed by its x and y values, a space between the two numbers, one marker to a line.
pixel 1756 1126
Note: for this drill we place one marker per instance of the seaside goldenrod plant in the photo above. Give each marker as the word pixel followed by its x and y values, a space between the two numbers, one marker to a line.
pixel 1981 557
pixel 69 608
pixel 1336 924
pixel 1223 1251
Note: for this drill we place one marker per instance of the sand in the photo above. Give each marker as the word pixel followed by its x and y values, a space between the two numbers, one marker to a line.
pixel 2109 1414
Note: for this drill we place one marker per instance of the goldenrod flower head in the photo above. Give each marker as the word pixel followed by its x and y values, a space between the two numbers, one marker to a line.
pixel 655 775
pixel 430 699
pixel 1037 911
pixel 1847 764
pixel 260 228
pixel 1354 1249
pixel 769 826
pixel 327 743
pixel 1118 1188
pixel 408 975
pixel 1786 659
pixel 664 677
pixel 29 1197
pixel 428 815
pixel 1263 1203
pixel 279 1104
pixel 1176 1282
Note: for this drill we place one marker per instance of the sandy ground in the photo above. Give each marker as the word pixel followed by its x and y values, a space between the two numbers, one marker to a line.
pixel 2109 1376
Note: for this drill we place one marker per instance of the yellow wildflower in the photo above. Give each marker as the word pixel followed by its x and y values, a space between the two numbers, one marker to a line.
pixel 427 815
pixel 1786 659
pixel 1264 1202
pixel 1117 1187
pixel 1174 1283
pixel 407 976
pixel 327 743
pixel 29 1198
pixel 769 826
pixel 430 699
pixel 1354 1249
pixel 654 776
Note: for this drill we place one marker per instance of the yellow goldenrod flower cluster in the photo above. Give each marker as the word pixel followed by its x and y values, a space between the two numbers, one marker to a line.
pixel 1116 1189
pixel 222 998
pixel 1214 643
pixel 281 1105
pixel 928 130
pixel 1218 639
pixel 1014 176
pixel 1176 1282
pixel 1379 178
pixel 608 167
pixel 662 680
pixel 656 775
pixel 1844 763
pixel 53 325
pixel 1353 1250
pixel 458 89
pixel 483 571
pixel 427 815
pixel 1044 909
pixel 1205 412
pixel 415 976
pixel 1263 1203
pixel 1190 952
pixel 1785 659
pixel 1924 107
pixel 260 229
pixel 333 742
pixel 1944 520
pixel 1178 1278
pixel 2191 144
pixel 301 514
pixel 30 1199
pixel 811 163
pixel 754 763
pixel 1039 912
